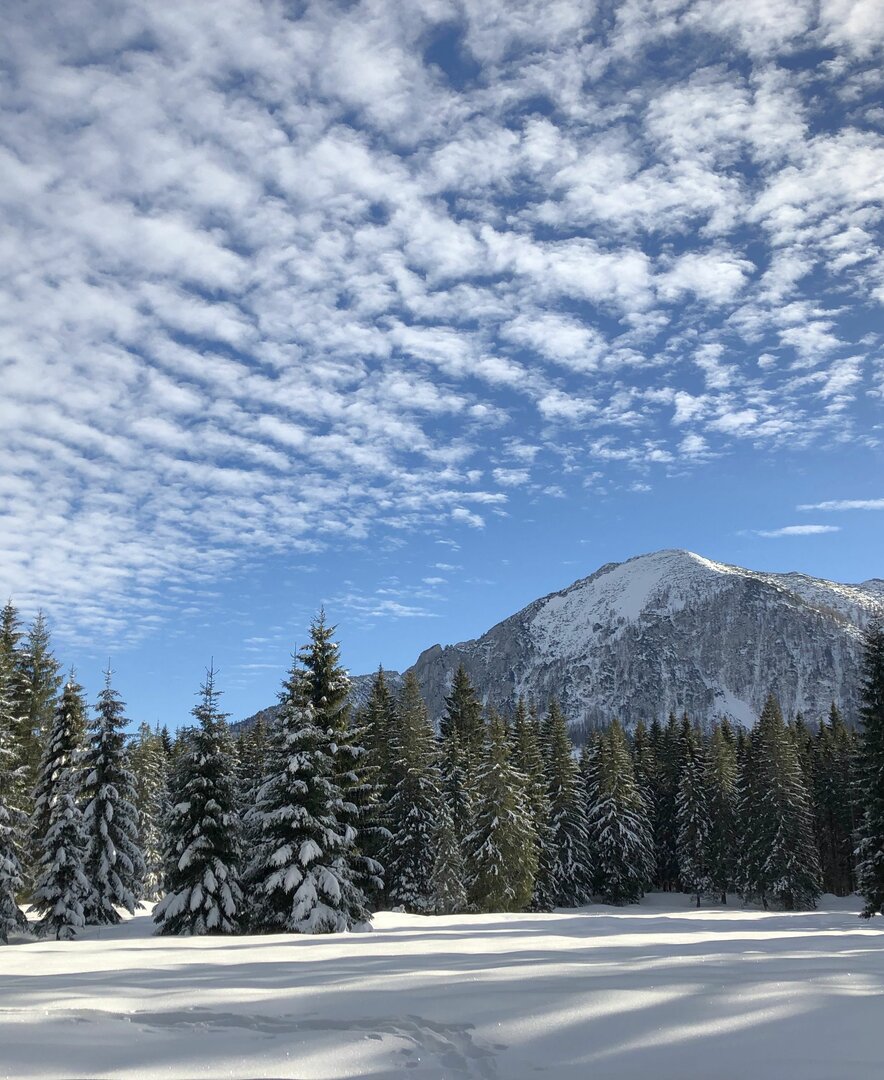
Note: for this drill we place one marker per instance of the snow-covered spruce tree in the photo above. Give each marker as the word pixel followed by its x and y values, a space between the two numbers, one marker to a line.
pixel 618 826
pixel 40 681
pixel 415 808
pixel 870 850
pixel 301 879
pixel 565 862
pixel 326 686
pixel 692 817
pixel 151 771
pixel 721 788
pixel 61 883
pixel 448 877
pixel 527 757
pixel 834 799
pixel 461 730
pixel 502 851
pixel 57 822
pixel 12 818
pixel 59 766
pixel 114 864
pixel 203 892
pixel 12 658
pixel 781 863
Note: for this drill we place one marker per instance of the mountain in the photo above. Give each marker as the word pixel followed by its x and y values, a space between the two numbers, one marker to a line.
pixel 670 631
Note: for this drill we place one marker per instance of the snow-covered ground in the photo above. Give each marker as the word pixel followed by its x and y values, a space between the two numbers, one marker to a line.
pixel 660 990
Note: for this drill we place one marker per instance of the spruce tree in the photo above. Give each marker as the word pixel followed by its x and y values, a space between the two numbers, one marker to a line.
pixel 416 806
pixel 301 878
pixel 781 863
pixel 57 823
pixel 502 852
pixel 114 864
pixel 376 772
pixel 448 877
pixel 462 741
pixel 722 788
pixel 61 883
pixel 12 817
pixel 565 857
pixel 325 685
pixel 693 818
pixel 527 757
pixel 834 782
pixel 18 734
pixel 618 824
pixel 60 762
pixel 870 850
pixel 40 683
pixel 203 891
pixel 666 746
pixel 151 771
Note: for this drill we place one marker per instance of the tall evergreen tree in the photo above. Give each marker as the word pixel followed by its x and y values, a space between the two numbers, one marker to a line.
pixel 527 757
pixel 666 747
pixel 60 763
pixel 151 771
pixel 721 787
pixel 12 659
pixel 870 850
pixel 448 880
pixel 203 890
pixel 461 729
pixel 12 817
pixel 114 864
pixel 325 686
pixel 834 791
pixel 619 827
pixel 502 859
pixel 41 680
pixel 693 818
pixel 781 863
pixel 565 858
pixel 301 879
pixel 416 807
pixel 57 822
pixel 377 775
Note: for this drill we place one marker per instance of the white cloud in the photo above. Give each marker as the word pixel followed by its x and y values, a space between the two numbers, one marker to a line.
pixel 467 517
pixel 272 282
pixel 798 530
pixel 845 504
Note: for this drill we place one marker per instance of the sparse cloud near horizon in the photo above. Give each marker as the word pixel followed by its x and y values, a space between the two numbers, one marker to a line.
pixel 845 504
pixel 278 282
pixel 798 530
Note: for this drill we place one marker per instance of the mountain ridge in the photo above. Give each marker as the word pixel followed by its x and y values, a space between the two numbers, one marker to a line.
pixel 665 631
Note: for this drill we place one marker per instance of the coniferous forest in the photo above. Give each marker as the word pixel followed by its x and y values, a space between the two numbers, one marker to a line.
pixel 329 813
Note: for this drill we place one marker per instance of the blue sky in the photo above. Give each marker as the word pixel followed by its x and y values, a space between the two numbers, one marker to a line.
pixel 421 311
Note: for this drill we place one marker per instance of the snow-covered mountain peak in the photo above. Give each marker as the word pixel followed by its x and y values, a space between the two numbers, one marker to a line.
pixel 671 630
pixel 622 593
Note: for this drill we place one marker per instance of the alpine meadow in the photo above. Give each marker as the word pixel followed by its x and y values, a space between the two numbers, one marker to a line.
pixel 441 500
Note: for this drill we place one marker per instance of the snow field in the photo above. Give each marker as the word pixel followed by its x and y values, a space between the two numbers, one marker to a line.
pixel 654 990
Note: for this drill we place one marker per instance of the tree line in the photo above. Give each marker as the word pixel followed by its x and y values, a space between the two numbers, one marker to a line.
pixel 311 822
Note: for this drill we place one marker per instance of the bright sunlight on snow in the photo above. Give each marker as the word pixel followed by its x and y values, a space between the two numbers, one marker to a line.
pixel 655 990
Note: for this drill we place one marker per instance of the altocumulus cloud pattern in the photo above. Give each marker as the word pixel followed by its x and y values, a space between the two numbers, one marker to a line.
pixel 277 275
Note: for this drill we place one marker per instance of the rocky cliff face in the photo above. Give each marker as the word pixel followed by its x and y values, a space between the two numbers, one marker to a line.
pixel 669 631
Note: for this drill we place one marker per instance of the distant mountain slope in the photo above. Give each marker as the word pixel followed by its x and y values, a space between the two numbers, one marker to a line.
pixel 669 631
